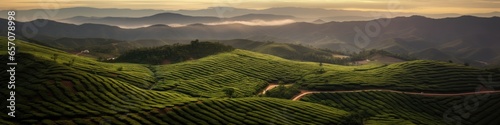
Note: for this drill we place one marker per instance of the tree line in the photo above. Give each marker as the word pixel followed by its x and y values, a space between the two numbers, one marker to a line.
pixel 173 53
pixel 352 57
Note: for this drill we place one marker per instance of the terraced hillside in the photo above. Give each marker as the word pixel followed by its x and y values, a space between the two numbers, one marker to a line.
pixel 67 89
pixel 397 108
pixel 285 50
pixel 248 72
pixel 412 76
pixel 291 51
pixel 54 87
pixel 98 47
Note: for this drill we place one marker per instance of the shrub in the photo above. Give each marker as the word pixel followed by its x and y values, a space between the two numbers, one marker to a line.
pixel 283 91
pixel 119 68
pixel 229 91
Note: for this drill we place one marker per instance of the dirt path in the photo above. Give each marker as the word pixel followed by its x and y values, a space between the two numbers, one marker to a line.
pixel 269 87
pixel 305 92
pixel 78 54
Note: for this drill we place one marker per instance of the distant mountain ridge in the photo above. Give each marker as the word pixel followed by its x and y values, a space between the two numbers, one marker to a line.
pixel 56 14
pixel 309 14
pixel 170 18
pixel 465 38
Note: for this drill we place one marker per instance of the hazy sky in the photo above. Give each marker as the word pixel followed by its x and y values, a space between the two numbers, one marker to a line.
pixel 416 6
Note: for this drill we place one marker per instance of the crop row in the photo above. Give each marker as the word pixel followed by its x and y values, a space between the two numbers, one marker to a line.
pixel 428 76
pixel 472 109
pixel 62 91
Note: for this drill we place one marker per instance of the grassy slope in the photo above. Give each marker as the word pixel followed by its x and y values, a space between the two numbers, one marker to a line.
pixel 90 92
pixel 289 51
pixel 99 47
pixel 278 49
pixel 420 75
pixel 386 107
pixel 95 91
pixel 248 72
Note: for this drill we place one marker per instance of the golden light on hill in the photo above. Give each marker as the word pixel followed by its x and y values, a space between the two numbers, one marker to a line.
pixel 413 6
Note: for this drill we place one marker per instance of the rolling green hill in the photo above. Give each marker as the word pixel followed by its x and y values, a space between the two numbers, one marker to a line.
pixel 206 76
pixel 278 49
pixel 53 90
pixel 397 108
pixel 247 71
pixel 420 75
pixel 311 54
pixel 54 87
pixel 415 35
pixel 289 51
pixel 99 47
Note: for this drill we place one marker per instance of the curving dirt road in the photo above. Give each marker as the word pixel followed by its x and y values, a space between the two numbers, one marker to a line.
pixel 305 92
pixel 269 87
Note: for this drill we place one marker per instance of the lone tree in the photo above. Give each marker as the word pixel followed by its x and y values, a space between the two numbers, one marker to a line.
pixel 321 69
pixel 195 42
pixel 71 62
pixel 281 82
pixel 229 92
pixel 54 57
pixel 356 118
pixel 119 68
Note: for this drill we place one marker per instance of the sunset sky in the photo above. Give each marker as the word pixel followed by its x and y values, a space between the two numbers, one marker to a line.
pixel 414 6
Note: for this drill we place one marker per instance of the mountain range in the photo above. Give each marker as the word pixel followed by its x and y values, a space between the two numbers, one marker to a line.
pixel 172 18
pixel 460 39
pixel 306 14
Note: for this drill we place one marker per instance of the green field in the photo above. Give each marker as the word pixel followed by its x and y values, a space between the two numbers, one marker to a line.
pixel 55 87
pixel 396 108
pixel 416 76
pixel 54 91
pixel 241 68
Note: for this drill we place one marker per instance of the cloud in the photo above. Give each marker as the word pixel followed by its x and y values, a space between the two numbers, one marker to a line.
pixel 414 6
pixel 256 22
pixel 250 23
